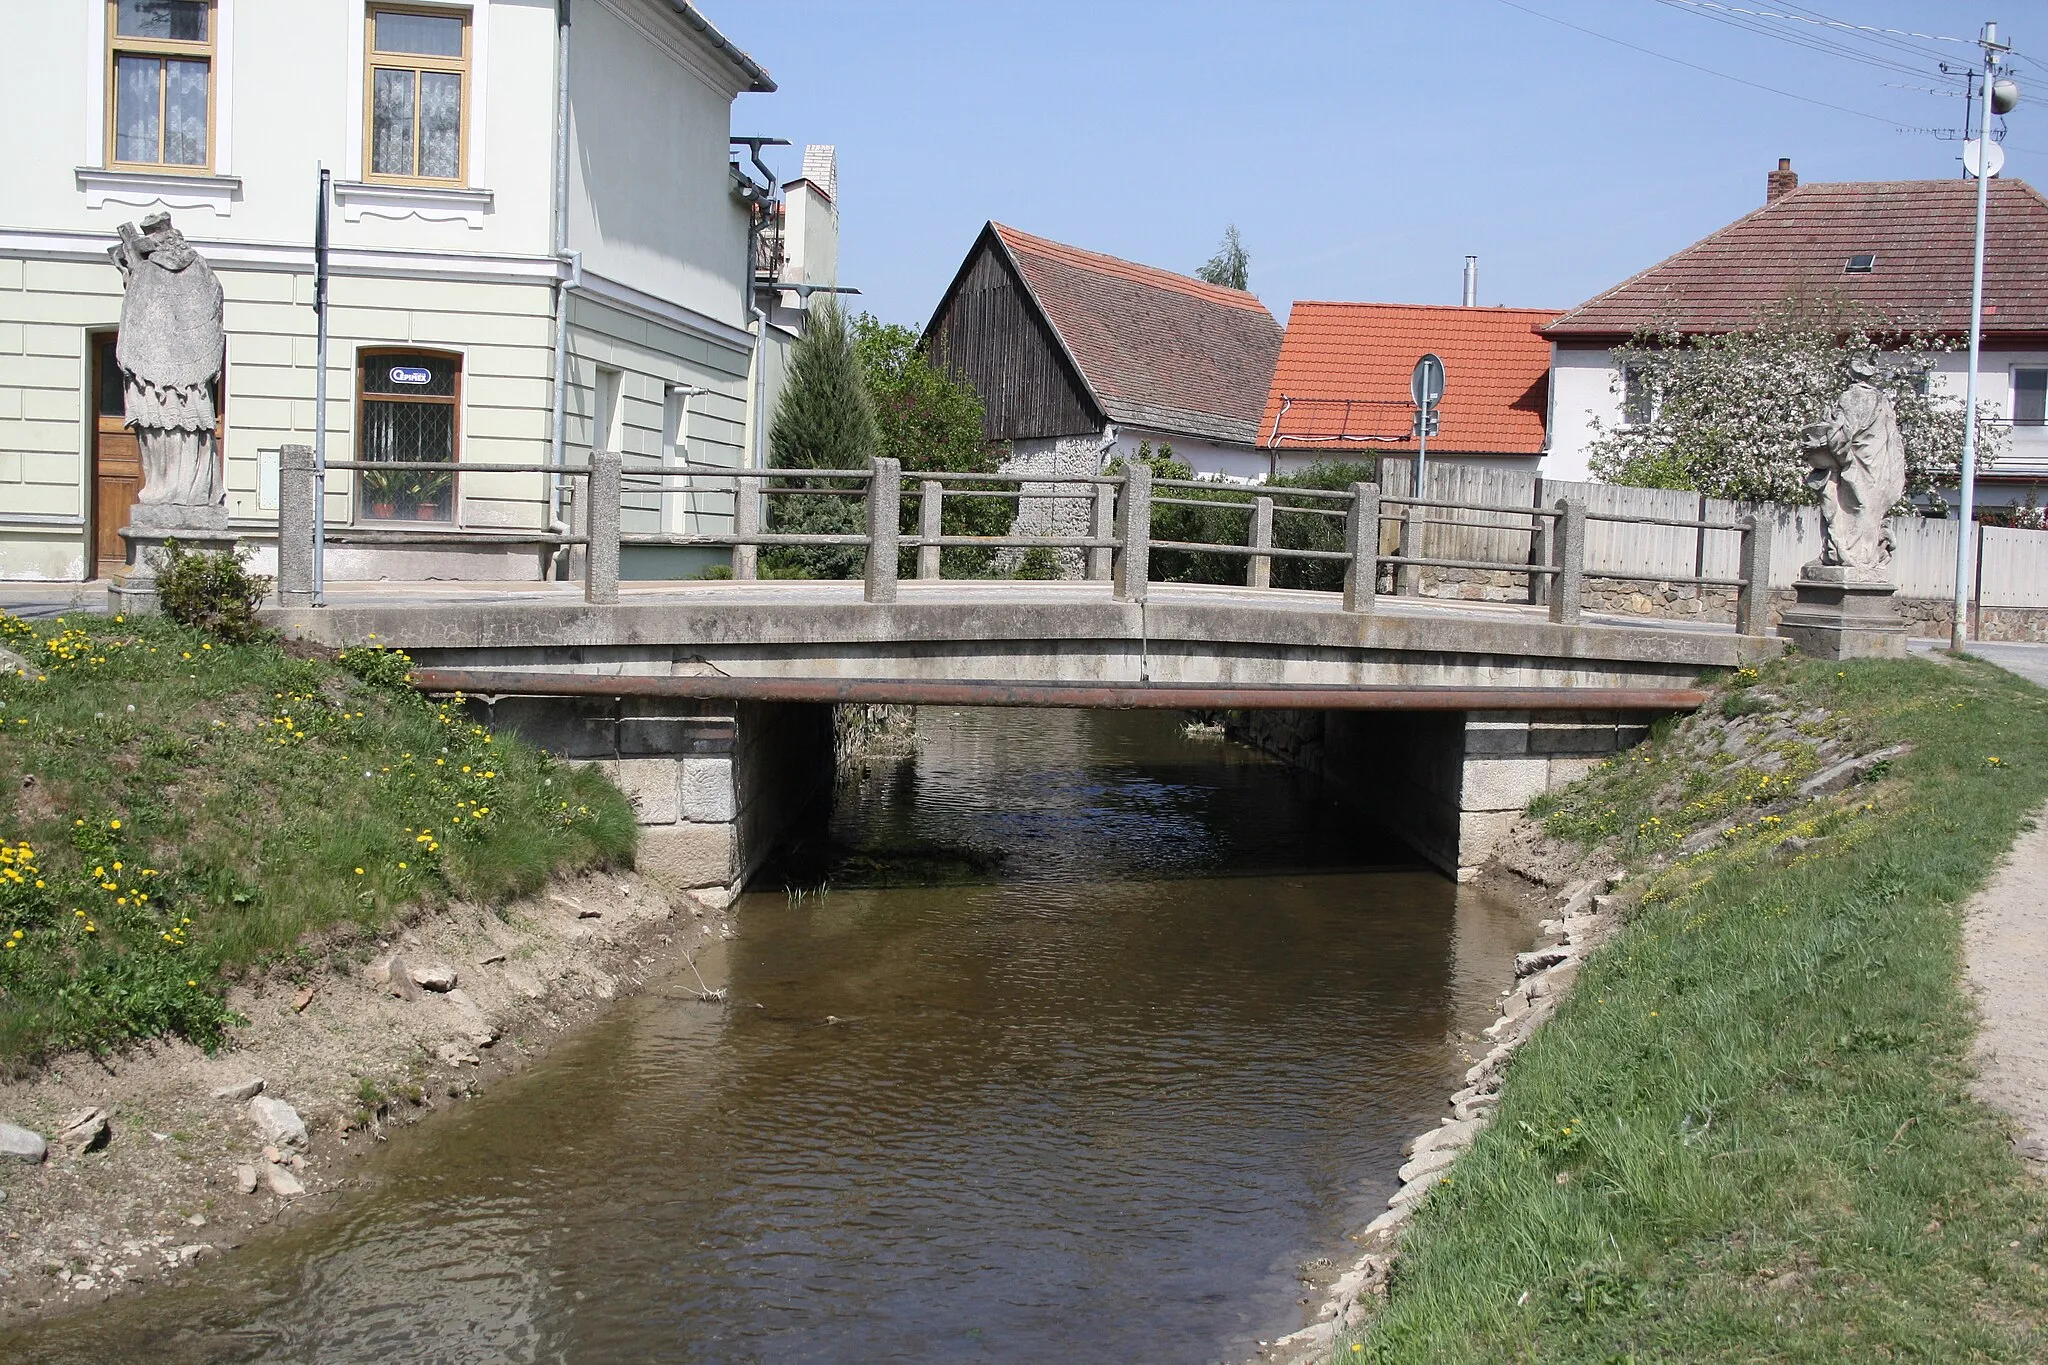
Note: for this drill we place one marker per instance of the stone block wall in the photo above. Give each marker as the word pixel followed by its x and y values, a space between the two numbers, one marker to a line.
pixel 1449 783
pixel 714 784
pixel 1041 511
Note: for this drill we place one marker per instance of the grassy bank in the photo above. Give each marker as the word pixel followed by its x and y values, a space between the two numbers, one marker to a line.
pixel 1746 1136
pixel 175 811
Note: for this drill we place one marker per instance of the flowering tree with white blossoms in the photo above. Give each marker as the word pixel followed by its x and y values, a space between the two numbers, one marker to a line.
pixel 1721 414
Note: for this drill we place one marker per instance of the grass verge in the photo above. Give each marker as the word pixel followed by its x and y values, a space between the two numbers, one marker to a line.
pixel 175 811
pixel 1747 1135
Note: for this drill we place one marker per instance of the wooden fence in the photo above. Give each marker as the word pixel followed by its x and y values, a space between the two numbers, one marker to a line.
pixel 2012 564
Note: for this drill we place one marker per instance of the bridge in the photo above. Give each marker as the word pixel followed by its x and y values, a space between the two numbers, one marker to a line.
pixel 710 701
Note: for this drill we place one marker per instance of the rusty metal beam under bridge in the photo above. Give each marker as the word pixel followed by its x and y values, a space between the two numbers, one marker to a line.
pixel 502 682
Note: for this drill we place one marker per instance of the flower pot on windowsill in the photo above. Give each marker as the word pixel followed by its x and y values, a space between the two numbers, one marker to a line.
pixel 383 511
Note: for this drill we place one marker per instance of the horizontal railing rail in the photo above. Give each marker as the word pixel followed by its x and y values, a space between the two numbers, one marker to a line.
pixel 1104 519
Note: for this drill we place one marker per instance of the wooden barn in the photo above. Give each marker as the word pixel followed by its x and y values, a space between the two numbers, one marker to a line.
pixel 1080 357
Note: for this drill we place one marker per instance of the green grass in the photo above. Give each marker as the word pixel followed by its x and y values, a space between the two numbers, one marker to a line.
pixel 1747 1136
pixel 176 811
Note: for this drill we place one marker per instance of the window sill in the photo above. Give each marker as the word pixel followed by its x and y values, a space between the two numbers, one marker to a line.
pixel 172 189
pixel 434 203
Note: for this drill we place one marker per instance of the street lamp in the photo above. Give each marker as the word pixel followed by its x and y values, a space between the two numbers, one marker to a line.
pixel 1982 160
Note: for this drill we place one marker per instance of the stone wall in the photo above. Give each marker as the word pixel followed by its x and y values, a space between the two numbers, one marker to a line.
pixel 714 784
pixel 1449 783
pixel 1039 512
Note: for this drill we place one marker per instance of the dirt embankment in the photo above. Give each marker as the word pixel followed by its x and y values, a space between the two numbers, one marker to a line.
pixel 354 1049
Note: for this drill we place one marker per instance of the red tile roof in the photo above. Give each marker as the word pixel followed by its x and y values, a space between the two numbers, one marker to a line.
pixel 1920 231
pixel 1344 370
pixel 1155 349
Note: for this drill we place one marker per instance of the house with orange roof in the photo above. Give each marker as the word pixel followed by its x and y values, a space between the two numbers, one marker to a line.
pixel 1340 389
pixel 1901 248
pixel 1081 357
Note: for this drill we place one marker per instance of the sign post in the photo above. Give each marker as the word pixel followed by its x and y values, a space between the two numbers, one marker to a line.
pixel 1426 387
pixel 320 390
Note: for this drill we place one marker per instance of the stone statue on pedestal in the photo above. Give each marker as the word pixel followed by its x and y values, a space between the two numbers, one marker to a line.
pixel 1842 606
pixel 170 352
pixel 1858 465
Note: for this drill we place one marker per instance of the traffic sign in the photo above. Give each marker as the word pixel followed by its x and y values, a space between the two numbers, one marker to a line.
pixel 1426 386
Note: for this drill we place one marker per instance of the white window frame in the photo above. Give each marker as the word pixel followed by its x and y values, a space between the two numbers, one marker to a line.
pixel 2012 408
pixel 1628 420
pixel 169 187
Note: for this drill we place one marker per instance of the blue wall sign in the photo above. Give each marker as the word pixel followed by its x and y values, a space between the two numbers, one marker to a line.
pixel 411 374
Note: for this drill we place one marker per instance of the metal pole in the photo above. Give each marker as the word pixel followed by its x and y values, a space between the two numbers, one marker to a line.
pixel 319 394
pixel 1959 628
pixel 558 415
pixel 1421 489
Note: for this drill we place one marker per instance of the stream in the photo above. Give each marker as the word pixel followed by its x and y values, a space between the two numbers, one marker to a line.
pixel 1068 1037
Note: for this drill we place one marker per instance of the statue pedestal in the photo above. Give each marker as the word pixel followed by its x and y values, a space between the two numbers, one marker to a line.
pixel 1834 617
pixel 132 591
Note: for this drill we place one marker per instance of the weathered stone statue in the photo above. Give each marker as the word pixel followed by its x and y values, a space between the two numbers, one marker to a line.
pixel 1859 468
pixel 1842 607
pixel 170 352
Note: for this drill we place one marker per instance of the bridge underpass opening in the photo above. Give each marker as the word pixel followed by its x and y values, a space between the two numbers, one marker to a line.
pixel 720 769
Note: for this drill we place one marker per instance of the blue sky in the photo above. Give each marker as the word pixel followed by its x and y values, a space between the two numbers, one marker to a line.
pixel 1362 149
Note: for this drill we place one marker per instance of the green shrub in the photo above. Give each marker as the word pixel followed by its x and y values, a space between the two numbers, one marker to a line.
pixel 211 590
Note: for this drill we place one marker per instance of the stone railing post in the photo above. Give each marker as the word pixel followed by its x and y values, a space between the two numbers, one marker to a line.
pixel 1132 566
pixel 1408 577
pixel 295 494
pixel 885 505
pixel 930 509
pixel 1259 572
pixel 746 524
pixel 601 525
pixel 1102 527
pixel 1568 556
pixel 1753 598
pixel 1362 543
pixel 1542 546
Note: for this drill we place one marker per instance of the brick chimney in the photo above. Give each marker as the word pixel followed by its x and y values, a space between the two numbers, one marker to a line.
pixel 1784 180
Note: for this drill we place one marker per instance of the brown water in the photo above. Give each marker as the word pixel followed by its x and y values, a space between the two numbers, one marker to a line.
pixel 1151 1048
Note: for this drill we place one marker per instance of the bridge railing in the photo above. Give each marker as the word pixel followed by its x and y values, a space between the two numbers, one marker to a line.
pixel 1116 546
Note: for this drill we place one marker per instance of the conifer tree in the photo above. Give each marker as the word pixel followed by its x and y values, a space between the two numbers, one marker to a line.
pixel 823 420
pixel 1231 266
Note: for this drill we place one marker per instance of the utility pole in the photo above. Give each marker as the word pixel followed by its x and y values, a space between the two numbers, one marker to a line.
pixel 1993 50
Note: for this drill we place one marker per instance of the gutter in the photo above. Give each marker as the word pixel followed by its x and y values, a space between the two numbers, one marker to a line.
pixel 760 82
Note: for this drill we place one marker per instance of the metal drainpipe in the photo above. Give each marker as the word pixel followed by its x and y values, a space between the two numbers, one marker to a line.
pixel 569 271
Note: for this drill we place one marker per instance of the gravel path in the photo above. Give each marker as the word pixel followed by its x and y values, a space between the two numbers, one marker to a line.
pixel 2006 944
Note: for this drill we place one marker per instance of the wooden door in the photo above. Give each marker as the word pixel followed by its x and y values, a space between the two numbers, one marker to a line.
pixel 116 464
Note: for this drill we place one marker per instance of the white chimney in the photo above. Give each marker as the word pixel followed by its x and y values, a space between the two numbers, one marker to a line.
pixel 1471 281
pixel 821 168
pixel 810 218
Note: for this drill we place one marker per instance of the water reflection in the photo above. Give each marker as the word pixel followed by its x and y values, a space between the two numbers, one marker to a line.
pixel 1151 1042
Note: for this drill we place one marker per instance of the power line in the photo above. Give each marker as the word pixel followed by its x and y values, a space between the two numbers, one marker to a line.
pixel 1874 39
pixel 1823 21
pixel 1811 42
pixel 1695 66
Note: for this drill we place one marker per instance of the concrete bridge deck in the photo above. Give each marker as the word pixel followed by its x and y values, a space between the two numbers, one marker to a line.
pixel 1018 632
